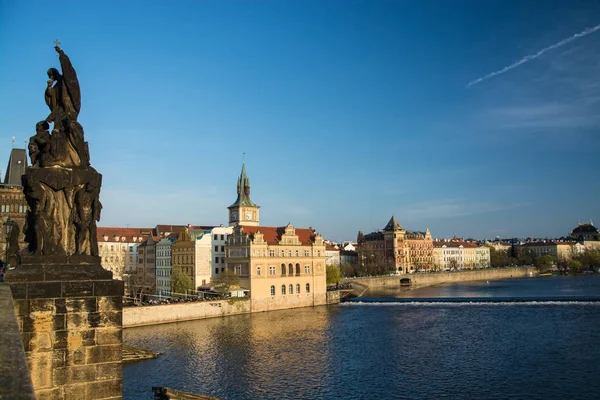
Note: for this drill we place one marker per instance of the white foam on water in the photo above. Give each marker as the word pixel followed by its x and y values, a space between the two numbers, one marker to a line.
pixel 469 303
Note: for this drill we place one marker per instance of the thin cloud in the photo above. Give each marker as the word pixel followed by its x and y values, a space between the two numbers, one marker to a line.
pixel 530 57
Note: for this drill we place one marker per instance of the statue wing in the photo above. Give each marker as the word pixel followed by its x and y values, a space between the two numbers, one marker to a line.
pixel 70 80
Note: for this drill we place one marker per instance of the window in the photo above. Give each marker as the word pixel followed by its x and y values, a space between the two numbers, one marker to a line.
pixel 223 269
pixel 282 253
pixel 272 270
pixel 222 237
pixel 289 253
pixel 257 270
pixel 297 253
pixel 282 289
pixel 291 270
pixel 282 269
pixel 222 260
pixel 307 269
pixel 297 269
pixel 238 269
pixel 271 253
pixel 215 237
pixel 298 288
pixel 306 253
pixel 291 289
pixel 272 290
pixel 216 260
pixel 308 288
pixel 216 248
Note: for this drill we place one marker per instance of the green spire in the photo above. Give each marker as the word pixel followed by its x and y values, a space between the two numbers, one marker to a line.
pixel 243 190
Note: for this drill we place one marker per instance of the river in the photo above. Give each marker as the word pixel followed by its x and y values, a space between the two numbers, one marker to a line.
pixel 540 338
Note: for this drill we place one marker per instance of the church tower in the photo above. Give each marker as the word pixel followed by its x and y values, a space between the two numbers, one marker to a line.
pixel 243 212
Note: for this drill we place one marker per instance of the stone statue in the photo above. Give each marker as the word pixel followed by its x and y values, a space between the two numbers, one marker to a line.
pixel 61 188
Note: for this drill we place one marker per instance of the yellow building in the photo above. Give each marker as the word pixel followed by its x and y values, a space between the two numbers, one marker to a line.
pixel 183 253
pixel 561 250
pixel 281 267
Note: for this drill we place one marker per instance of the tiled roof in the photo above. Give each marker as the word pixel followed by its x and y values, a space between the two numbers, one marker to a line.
pixel 127 233
pixel 272 234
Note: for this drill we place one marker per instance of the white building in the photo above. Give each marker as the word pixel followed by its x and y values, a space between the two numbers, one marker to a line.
pixel 117 248
pixel 219 238
pixel 163 264
pixel 332 254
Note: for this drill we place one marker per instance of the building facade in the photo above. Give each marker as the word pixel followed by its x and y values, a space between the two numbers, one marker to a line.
pixel 163 264
pixel 117 248
pixel 406 251
pixel 560 250
pixel 451 255
pixel 13 206
pixel 282 267
pixel 144 279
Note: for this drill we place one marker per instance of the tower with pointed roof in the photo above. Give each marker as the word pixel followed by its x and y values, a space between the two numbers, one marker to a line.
pixel 243 212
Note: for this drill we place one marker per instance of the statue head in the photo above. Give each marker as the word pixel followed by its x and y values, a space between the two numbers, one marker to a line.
pixel 53 74
pixel 42 126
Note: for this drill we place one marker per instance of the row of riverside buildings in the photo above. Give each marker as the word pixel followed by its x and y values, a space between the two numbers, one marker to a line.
pixel 278 267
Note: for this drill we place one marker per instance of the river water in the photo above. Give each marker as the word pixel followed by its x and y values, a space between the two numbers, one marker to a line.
pixel 538 338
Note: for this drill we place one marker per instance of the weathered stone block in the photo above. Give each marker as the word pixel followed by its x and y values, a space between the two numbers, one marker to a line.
pixel 103 389
pixel 77 289
pixel 114 303
pixel 21 307
pixel 77 321
pixel 75 392
pixel 108 288
pixel 102 354
pixel 109 371
pixel 109 336
pixel 87 304
pixel 19 290
pixel 74 374
pixel 75 357
pixel 38 290
pixel 40 367
pixel 51 394
pixel 43 305
pixel 60 305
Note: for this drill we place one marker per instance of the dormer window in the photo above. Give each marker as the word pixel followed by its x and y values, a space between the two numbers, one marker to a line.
pixel 105 238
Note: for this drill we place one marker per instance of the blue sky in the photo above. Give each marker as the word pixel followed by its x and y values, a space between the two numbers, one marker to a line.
pixel 348 111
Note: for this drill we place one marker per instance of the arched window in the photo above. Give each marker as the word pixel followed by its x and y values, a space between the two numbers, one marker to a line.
pixel 272 290
pixel 291 270
pixel 297 269
pixel 282 269
pixel 282 289
pixel 308 288
pixel 298 288
pixel 291 289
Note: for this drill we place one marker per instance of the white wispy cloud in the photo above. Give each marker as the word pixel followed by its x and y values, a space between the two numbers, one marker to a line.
pixel 530 57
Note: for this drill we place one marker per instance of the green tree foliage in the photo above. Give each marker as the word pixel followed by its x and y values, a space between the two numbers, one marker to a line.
pixel 544 263
pixel 180 282
pixel 526 257
pixel 574 266
pixel 498 258
pixel 334 274
pixel 223 282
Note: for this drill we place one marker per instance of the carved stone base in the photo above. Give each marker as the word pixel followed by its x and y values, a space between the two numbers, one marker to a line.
pixel 64 207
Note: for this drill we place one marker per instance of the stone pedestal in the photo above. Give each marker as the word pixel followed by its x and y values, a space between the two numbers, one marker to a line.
pixel 69 311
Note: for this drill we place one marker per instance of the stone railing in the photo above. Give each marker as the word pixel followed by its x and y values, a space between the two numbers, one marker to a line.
pixel 15 380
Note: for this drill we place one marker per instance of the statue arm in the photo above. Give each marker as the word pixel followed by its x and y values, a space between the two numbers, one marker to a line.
pixel 70 78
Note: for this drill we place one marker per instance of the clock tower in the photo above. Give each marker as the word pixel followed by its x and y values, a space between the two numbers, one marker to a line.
pixel 243 212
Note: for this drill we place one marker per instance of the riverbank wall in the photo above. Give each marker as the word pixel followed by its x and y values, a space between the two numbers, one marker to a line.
pixel 179 312
pixel 420 280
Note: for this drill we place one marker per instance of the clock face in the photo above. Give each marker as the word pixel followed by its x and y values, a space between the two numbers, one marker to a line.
pixel 248 215
pixel 234 215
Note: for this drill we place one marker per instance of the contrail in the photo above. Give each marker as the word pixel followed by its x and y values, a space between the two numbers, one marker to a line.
pixel 530 57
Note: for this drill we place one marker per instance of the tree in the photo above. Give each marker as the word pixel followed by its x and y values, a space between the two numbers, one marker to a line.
pixel 180 281
pixel 223 282
pixel 544 263
pixel 526 257
pixel 333 274
pixel 574 266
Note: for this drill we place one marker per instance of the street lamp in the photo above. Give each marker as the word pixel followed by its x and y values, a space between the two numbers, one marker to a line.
pixel 8 225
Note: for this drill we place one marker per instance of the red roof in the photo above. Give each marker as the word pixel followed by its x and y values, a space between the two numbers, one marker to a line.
pixel 127 233
pixel 272 234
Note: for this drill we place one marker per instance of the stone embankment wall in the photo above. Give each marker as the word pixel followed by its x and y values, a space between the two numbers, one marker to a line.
pixel 333 297
pixel 166 313
pixel 446 277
